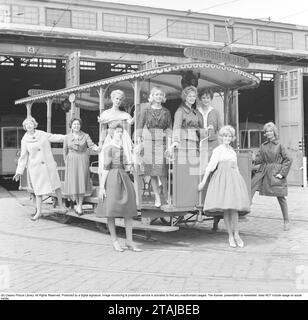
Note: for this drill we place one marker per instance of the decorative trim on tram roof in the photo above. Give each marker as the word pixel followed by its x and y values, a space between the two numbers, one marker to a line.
pixel 139 75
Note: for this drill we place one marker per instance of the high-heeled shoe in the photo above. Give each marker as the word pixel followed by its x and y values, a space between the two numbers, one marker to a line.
pixel 117 247
pixel 239 241
pixel 36 217
pixel 34 213
pixel 132 247
pixel 232 242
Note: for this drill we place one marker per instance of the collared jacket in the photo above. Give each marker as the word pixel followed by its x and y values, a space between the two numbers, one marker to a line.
pixel 37 156
pixel 188 123
pixel 273 160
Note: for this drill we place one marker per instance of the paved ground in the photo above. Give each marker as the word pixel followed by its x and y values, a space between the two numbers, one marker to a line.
pixel 46 256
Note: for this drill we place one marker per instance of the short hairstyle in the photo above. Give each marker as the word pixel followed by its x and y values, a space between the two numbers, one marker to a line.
pixel 187 91
pixel 75 119
pixel 271 126
pixel 117 92
pixel 155 89
pixel 206 91
pixel 227 129
pixel 29 119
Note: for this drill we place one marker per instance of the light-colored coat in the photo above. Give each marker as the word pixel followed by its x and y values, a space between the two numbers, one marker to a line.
pixel 37 156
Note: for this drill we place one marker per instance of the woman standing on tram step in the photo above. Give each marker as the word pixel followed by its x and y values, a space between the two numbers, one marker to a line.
pixel 211 119
pixel 37 156
pixel 112 117
pixel 77 182
pixel 271 177
pixel 117 190
pixel 227 192
pixel 154 128
pixel 188 123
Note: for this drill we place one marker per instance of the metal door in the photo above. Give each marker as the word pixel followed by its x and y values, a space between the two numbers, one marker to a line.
pixel 289 118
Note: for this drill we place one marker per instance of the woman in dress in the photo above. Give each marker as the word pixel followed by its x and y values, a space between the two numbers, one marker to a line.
pixel 227 192
pixel 154 130
pixel 188 122
pixel 112 117
pixel 270 179
pixel 116 189
pixel 77 182
pixel 37 156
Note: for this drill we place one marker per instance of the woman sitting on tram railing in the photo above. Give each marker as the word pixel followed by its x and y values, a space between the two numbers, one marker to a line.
pixel 154 128
pixel 113 116
pixel 77 182
pixel 116 189
pixel 37 156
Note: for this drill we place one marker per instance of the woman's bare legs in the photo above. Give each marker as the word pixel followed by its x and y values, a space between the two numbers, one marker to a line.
pixel 113 234
pixel 38 202
pixel 129 234
pixel 227 220
pixel 164 183
pixel 234 217
pixel 154 182
pixel 59 197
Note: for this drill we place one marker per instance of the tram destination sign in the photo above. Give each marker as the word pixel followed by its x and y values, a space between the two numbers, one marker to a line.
pixel 215 56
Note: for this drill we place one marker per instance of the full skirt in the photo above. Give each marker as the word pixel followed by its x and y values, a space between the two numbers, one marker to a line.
pixel 77 174
pixel 120 200
pixel 227 190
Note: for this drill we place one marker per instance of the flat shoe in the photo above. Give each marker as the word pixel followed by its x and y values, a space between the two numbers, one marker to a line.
pixel 132 248
pixel 286 226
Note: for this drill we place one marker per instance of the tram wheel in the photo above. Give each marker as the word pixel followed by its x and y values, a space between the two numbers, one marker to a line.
pixel 191 219
pixel 102 227
pixel 63 218
pixel 171 221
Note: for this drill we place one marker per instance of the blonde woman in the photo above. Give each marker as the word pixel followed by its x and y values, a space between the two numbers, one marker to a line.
pixel 227 193
pixel 154 130
pixel 37 156
pixel 271 178
pixel 113 116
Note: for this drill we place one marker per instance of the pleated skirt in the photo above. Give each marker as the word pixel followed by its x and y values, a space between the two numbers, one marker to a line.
pixel 227 190
pixel 77 174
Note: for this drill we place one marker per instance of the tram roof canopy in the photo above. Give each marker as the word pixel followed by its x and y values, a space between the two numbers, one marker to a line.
pixel 215 76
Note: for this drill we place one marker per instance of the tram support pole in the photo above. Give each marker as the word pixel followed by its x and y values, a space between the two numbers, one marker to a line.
pixel 29 106
pixel 49 111
pixel 137 88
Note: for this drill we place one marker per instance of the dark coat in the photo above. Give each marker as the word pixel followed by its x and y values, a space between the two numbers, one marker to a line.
pixel 273 159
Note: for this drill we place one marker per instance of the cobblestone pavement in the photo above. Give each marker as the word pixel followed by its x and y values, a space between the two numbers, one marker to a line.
pixel 46 256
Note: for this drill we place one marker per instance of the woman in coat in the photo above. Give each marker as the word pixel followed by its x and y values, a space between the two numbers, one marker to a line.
pixel 37 156
pixel 270 179
pixel 77 182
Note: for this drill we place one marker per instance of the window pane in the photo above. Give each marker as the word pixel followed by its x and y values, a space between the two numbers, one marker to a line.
pixel 4 13
pixel 306 40
pixel 114 23
pixel 27 15
pixel 20 133
pixel 283 40
pixel 242 35
pixel 254 139
pixel 266 38
pixel 293 83
pixel 9 138
pixel 220 34
pixel 84 20
pixel 58 18
pixel 138 25
pixel 244 139
pixel 187 30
